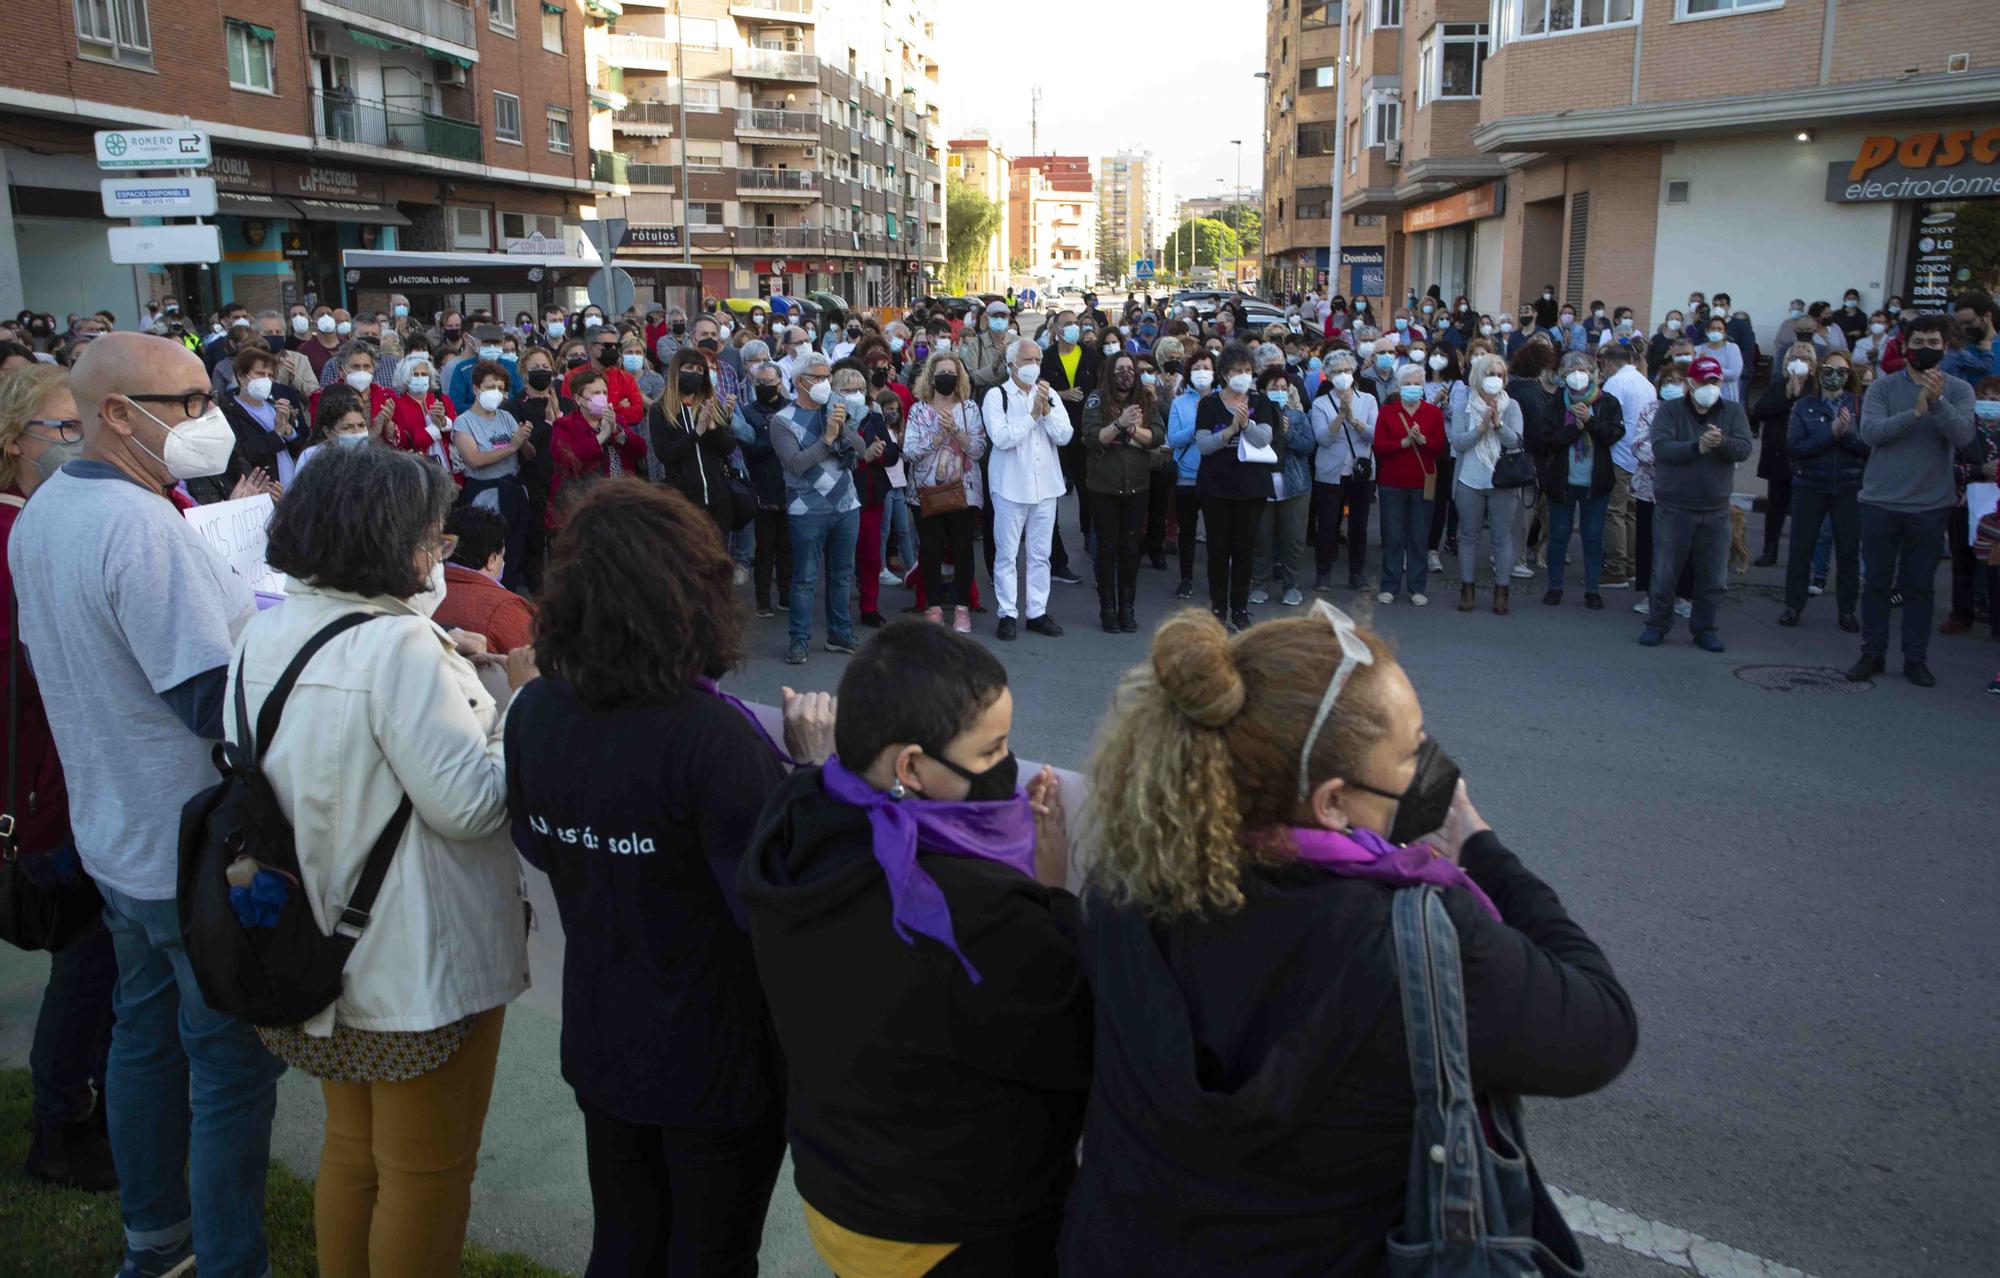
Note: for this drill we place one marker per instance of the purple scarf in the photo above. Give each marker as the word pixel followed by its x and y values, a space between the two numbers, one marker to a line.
pixel 1003 832
pixel 1364 854
pixel 709 686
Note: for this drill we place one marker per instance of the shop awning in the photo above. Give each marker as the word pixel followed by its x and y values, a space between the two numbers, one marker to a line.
pixel 235 204
pixel 385 43
pixel 464 64
pixel 350 211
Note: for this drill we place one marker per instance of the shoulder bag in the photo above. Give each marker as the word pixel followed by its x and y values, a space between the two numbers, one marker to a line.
pixel 946 495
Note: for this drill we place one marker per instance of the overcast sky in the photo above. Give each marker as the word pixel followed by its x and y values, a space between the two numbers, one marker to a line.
pixel 1113 78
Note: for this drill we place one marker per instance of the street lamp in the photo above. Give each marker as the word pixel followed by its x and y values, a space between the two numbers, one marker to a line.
pixel 1264 195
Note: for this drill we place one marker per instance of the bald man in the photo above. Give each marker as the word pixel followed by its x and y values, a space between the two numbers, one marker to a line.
pixel 130 618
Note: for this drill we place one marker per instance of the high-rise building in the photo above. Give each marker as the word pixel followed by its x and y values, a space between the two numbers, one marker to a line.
pixel 1052 212
pixel 1131 204
pixel 986 169
pixel 806 133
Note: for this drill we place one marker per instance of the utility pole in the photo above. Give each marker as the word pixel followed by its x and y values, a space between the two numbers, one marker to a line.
pixel 1035 120
pixel 1339 147
pixel 681 96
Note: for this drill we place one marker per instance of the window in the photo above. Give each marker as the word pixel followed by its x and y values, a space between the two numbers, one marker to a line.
pixel 559 129
pixel 704 213
pixel 468 229
pixel 702 154
pixel 1451 61
pixel 703 95
pixel 249 49
pixel 698 33
pixel 114 30
pixel 552 20
pixel 1385 118
pixel 500 15
pixel 1316 139
pixel 1386 13
pixel 1314 14
pixel 507 117
pixel 1316 77
pixel 1560 17
pixel 521 226
pixel 1315 205
pixel 1715 8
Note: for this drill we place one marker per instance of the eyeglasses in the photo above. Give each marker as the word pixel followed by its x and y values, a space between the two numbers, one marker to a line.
pixel 195 403
pixel 445 547
pixel 1353 655
pixel 68 429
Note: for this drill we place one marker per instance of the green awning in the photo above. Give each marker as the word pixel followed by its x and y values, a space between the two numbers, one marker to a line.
pixel 552 8
pixel 605 8
pixel 384 43
pixel 453 58
pixel 262 33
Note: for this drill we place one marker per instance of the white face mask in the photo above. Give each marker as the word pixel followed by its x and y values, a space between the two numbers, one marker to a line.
pixel 1026 374
pixel 1486 330
pixel 490 398
pixel 324 323
pixel 821 392
pixel 360 379
pixel 1202 378
pixel 1343 381
pixel 343 328
pixel 1878 328
pixel 1715 337
pixel 420 386
pixel 1437 362
pixel 1798 368
pixel 357 439
pixel 1506 328
pixel 425 602
pixel 298 323
pixel 1707 395
pixel 1578 381
pixel 1492 385
pixel 1673 326
pixel 857 404
pixel 195 449
pixel 1241 383
pixel 258 388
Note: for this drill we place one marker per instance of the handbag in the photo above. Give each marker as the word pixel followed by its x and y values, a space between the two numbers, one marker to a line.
pixel 1473 1209
pixel 949 495
pixel 742 499
pixel 1363 468
pixel 1514 469
pixel 34 917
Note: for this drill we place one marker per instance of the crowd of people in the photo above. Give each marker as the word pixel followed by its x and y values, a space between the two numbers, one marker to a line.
pixel 858 942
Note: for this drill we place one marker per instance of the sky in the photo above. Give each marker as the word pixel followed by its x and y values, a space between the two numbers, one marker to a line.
pixel 1113 78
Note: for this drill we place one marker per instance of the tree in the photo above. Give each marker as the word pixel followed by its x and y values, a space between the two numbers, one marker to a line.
pixel 1248 223
pixel 969 221
pixel 1112 260
pixel 1212 241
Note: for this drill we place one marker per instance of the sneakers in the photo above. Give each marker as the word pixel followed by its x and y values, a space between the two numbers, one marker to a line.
pixel 1919 673
pixel 1523 571
pixel 1239 621
pixel 1260 596
pixel 1651 638
pixel 1684 607
pixel 1293 597
pixel 934 613
pixel 1006 629
pixel 873 620
pixel 764 612
pixel 888 578
pixel 1644 605
pixel 1437 565
pixel 1185 590
pixel 1623 583
pixel 961 620
pixel 1322 583
pixel 742 575
pixel 1708 641
pixel 1420 599
pixel 844 644
pixel 1065 576
pixel 1817 588
pixel 1385 597
pixel 158 1262
pixel 796 654
pixel 1994 687
pixel 1788 618
pixel 1045 625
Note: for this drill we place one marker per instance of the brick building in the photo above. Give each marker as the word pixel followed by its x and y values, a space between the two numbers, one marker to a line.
pixel 1636 150
pixel 414 125
pixel 1052 218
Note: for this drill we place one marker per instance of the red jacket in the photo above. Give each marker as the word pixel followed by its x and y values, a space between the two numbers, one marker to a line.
pixel 41 803
pixel 475 602
pixel 410 429
pixel 576 454
pixel 1400 467
pixel 377 396
pixel 627 404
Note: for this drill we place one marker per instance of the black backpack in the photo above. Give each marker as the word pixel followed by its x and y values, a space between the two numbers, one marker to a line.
pixel 286 973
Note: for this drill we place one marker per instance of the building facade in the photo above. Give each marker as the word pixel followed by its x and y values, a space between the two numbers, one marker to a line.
pixel 1052 211
pixel 986 169
pixel 335 124
pixel 1771 149
pixel 1132 204
pixel 795 144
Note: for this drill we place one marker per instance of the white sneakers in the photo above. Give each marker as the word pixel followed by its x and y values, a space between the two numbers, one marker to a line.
pixel 1522 570
pixel 1437 565
pixel 1385 598
pixel 888 578
pixel 1420 600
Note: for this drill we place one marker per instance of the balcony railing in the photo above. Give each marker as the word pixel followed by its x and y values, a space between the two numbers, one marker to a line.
pixel 785 237
pixel 776 64
pixel 768 120
pixel 778 181
pixel 609 166
pixel 651 174
pixel 783 10
pixel 648 115
pixel 641 51
pixel 341 117
pixel 440 19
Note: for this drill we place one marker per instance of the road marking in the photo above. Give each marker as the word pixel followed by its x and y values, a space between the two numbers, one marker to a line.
pixel 1665 1243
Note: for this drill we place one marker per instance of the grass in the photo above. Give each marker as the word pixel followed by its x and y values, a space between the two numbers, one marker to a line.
pixel 47 1232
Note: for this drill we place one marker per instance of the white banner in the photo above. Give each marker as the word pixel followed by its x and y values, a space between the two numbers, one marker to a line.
pixel 236 530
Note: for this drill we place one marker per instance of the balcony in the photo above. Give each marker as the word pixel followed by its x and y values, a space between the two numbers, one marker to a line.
pixel 777 237
pixel 774 10
pixel 440 20
pixel 341 118
pixel 651 175
pixel 931 171
pixel 765 122
pixel 641 53
pixel 647 119
pixel 611 167
pixel 775 64
pixel 777 184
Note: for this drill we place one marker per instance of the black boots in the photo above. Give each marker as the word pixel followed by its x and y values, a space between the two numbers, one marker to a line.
pixel 74 1155
pixel 1128 619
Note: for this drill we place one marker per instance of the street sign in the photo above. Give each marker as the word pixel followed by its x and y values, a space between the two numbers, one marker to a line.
pixel 158 197
pixel 159 245
pixel 611 287
pixel 1143 269
pixel 605 235
pixel 152 149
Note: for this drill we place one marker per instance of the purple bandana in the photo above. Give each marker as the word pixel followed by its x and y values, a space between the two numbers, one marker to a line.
pixel 709 686
pixel 1003 832
pixel 1364 854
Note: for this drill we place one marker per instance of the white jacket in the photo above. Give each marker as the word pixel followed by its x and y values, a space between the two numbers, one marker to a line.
pixel 384 709
pixel 1023 465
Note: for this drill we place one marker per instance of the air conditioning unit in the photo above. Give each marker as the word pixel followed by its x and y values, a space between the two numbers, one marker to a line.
pixel 1392 154
pixel 316 40
pixel 450 73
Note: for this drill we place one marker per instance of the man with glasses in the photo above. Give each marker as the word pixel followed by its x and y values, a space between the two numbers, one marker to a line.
pixel 797 347
pixel 817 444
pixel 130 618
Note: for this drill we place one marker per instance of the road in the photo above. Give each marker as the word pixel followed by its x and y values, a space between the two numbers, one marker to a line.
pixel 1790 884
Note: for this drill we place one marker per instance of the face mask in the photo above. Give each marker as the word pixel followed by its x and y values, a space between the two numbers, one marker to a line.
pixel 606 356
pixel 1625 325
pixel 678 327
pixel 420 386
pixel 1506 328
pixel 491 354
pixel 998 324
pixel 1706 396
pixel 821 392
pixel 632 361
pixel 896 345
pixel 575 361
pixel 592 321
pixel 1149 380
pixel 1987 410
pixel 1925 358
pixel 1673 326
pixel 1796 313
pixel 597 405
pixel 54 456
pixel 1027 374
pixel 1492 385
pixel 945 383
pixel 490 399
pixel 298 323
pixel 1410 394
pixel 195 449
pixel 324 323
pixel 1672 390
pixel 1429 309
pixel 878 377
pixel 1437 363
pixel 1716 336
pixel 1201 379
pixel 1402 325
pixel 1416 354
pixel 1878 328
pixel 1110 349
pixel 538 378
pixel 1798 368
pixel 510 358
pixel 452 334
pixel 1385 361
pixel 1568 320
pixel 1851 303
pixel 343 328
pixel 1833 379
pixel 1279 397
pixel 1578 381
pixel 1343 381
pixel 943 344
pixel 425 602
pixel 400 311
pixel 1597 313
pixel 693 381
pixel 360 379
pixel 997 783
pixel 1423 806
pixel 1486 330
pixel 770 396
pixel 1683 360
pixel 258 388
pixel 812 330
pixel 1314 364
pixel 354 439
pixel 1241 383
pixel 1548 297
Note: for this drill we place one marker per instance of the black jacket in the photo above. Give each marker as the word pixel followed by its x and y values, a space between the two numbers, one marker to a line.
pixel 1772 417
pixel 1225 475
pixel 1251 1111
pixel 922 1107
pixel 698 465
pixel 1087 371
pixel 1549 436
pixel 639 816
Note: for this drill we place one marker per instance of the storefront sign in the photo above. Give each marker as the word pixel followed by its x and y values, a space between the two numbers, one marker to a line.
pixel 152 149
pixel 1935 275
pixel 416 279
pixel 164 245
pixel 1948 164
pixel 638 235
pixel 1465 206
pixel 327 183
pixel 295 244
pixel 247 173
pixel 158 197
pixel 1366 268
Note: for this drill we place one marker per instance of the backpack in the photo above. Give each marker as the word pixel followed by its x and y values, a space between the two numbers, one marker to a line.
pixel 279 968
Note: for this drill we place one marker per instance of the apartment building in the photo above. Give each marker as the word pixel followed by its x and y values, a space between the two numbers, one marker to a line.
pixel 795 144
pixel 985 168
pixel 335 124
pixel 1052 215
pixel 1132 204
pixel 1636 150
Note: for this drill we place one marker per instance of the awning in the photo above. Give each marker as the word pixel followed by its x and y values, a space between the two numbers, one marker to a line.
pixel 262 33
pixel 463 64
pixel 239 205
pixel 548 7
pixel 609 99
pixel 350 211
pixel 605 8
pixel 382 42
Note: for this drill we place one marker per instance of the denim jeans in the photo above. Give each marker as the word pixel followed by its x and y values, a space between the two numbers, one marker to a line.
pixel 1561 515
pixel 899 529
pixel 1697 538
pixel 1406 522
pixel 190 1093
pixel 823 541
pixel 1898 548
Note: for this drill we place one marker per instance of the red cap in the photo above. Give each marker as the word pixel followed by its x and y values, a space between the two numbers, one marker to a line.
pixel 1706 368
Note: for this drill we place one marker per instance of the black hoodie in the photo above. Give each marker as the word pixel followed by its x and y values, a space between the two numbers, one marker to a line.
pixel 923 1108
pixel 1251 1110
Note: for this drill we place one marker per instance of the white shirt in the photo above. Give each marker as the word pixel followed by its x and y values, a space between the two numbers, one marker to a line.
pixel 1024 467
pixel 1634 394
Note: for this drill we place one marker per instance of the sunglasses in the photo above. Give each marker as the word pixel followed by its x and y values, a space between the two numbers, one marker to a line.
pixel 1353 655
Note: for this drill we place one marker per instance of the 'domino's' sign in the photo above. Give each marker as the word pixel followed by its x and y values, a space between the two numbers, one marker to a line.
pixel 1937 164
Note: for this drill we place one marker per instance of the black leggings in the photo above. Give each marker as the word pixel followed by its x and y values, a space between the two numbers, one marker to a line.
pixel 1232 547
pixel 1187 509
pixel 1327 500
pixel 773 555
pixel 948 534
pixel 1159 500
pixel 1120 520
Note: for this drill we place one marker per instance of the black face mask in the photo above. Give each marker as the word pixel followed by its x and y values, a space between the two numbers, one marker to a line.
pixel 693 382
pixel 770 396
pixel 1925 358
pixel 1833 379
pixel 1173 366
pixel 541 378
pixel 945 383
pixel 708 344
pixel 607 356
pixel 1423 806
pixel 451 334
pixel 678 327
pixel 997 783
pixel 1122 380
pixel 1972 333
pixel 575 361
pixel 878 377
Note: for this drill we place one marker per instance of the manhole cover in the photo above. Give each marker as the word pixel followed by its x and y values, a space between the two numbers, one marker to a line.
pixel 1799 679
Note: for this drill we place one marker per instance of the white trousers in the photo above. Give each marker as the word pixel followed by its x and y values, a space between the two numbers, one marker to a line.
pixel 1010 520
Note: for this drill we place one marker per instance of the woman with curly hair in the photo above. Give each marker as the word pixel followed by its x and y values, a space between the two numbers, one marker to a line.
pixel 635 784
pixel 1257 802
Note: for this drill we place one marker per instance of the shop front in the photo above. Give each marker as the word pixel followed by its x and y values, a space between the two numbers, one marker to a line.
pixel 460 281
pixel 1944 185
pixel 285 226
pixel 1442 242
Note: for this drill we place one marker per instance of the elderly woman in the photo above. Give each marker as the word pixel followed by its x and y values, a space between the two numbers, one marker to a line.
pixel 1793 376
pixel 420 417
pixel 1572 447
pixel 1486 426
pixel 356 362
pixel 490 445
pixel 816 441
pixel 268 420
pixel 632 358
pixel 1343 423
pixel 1409 438
pixel 942 446
pixel 1233 430
pixel 390 738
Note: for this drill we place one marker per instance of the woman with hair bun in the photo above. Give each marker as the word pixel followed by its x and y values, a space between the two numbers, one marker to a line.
pixel 1257 802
